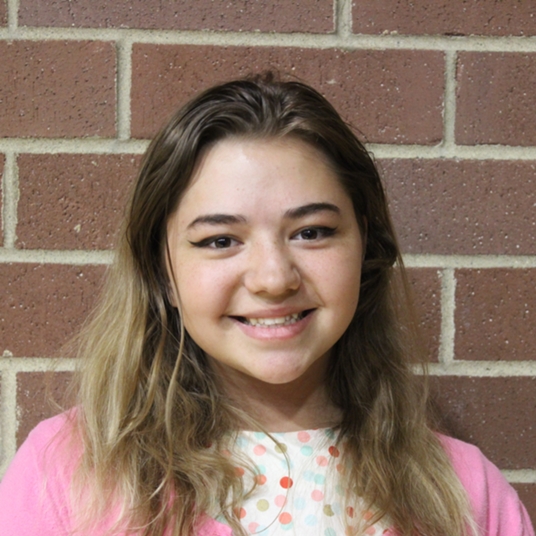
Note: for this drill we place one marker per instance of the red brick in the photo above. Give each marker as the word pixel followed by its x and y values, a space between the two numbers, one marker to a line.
pixel 444 17
pixel 2 161
pixel 495 314
pixel 40 395
pixel 392 96
pixel 496 414
pixel 43 306
pixel 57 89
pixel 314 16
pixel 72 201
pixel 496 98
pixel 426 286
pixel 464 207
pixel 527 494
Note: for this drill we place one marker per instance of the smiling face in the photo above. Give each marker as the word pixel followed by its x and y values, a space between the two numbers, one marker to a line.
pixel 266 253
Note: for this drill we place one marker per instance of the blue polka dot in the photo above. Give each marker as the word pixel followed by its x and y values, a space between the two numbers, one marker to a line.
pixel 308 476
pixel 288 526
pixel 287 464
pixel 320 479
pixel 259 435
pixel 306 450
pixel 336 507
pixel 329 433
pixel 242 441
pixel 330 532
pixel 311 520
pixel 300 503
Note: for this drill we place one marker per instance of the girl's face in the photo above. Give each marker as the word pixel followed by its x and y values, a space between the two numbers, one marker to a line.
pixel 266 253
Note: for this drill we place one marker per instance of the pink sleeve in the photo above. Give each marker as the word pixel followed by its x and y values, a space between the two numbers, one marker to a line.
pixel 32 500
pixel 496 506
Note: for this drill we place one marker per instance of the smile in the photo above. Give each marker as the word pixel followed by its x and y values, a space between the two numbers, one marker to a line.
pixel 274 322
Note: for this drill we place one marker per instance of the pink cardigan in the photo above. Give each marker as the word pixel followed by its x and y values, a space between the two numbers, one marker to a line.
pixel 34 491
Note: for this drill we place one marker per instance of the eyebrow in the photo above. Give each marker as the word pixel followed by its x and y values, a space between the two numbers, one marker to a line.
pixel 292 213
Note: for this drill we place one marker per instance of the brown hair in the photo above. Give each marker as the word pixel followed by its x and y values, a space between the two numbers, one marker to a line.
pixel 149 401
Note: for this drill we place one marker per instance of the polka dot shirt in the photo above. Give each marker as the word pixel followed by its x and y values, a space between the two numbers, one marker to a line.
pixel 297 490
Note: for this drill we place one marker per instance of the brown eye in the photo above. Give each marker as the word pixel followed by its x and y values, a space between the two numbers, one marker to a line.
pixel 309 234
pixel 222 242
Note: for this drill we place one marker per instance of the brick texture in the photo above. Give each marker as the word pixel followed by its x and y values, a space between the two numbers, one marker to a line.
pixel 43 306
pixel 426 286
pixel 527 493
pixel 496 101
pixel 496 414
pixel 57 89
pixel 444 17
pixel 463 207
pixel 495 314
pixel 82 196
pixel 315 16
pixel 40 395
pixel 2 162
pixel 380 92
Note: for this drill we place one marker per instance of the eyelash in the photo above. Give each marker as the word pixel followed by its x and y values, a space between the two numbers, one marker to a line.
pixel 322 232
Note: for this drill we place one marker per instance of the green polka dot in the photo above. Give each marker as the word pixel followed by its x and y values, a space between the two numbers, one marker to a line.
pixel 328 511
pixel 281 448
pixel 263 505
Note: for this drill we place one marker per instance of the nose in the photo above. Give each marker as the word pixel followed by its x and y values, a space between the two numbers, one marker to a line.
pixel 271 270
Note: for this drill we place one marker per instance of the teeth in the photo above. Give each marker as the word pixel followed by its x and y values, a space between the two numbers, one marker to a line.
pixel 281 321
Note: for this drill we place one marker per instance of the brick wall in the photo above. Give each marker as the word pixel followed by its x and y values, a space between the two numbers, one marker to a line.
pixel 443 92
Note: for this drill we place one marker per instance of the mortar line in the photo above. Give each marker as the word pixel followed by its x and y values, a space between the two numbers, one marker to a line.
pixel 304 40
pixel 470 261
pixel 520 476
pixel 12 15
pixel 343 19
pixel 484 369
pixel 380 150
pixel 448 305
pixel 123 88
pixel 449 105
pixel 10 189
pixel 8 398
pixel 55 257
pixel 38 364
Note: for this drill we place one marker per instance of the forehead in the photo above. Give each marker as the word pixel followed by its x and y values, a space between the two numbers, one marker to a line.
pixel 244 176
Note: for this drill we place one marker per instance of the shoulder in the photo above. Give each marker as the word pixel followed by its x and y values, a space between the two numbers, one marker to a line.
pixel 34 493
pixel 496 506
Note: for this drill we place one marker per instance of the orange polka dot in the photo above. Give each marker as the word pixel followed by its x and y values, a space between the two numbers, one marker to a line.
pixel 260 479
pixel 242 513
pixel 239 471
pixel 322 461
pixel 286 482
pixel 259 450
pixel 334 451
pixel 285 518
pixel 367 515
pixel 370 531
pixel 317 495
pixel 350 511
pixel 304 437
pixel 340 468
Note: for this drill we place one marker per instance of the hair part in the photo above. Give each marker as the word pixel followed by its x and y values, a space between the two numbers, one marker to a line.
pixel 150 406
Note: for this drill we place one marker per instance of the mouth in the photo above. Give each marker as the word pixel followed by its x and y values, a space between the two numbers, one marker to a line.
pixel 274 322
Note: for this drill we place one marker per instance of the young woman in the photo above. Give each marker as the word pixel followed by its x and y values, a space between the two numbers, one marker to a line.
pixel 248 370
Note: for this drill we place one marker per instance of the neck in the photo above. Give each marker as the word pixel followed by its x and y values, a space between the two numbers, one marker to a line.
pixel 298 405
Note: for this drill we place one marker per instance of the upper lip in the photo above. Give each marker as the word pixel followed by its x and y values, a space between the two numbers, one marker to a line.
pixel 273 313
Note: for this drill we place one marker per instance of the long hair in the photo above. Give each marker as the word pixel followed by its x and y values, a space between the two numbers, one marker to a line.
pixel 153 419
